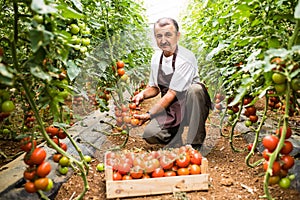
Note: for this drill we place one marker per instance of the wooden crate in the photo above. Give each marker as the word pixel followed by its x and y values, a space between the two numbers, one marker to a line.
pixel 153 186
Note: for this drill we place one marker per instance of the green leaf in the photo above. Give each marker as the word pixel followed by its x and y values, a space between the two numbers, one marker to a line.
pixel 73 70
pixel 77 4
pixel 297 11
pixel 69 13
pixel 39 38
pixel 38 72
pixel 40 7
pixel 5 76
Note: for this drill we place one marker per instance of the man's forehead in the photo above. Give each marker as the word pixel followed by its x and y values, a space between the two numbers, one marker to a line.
pixel 164 29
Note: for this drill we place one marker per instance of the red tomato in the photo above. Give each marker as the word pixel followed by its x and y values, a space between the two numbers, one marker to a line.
pixel 117 176
pixel 61 134
pixel 266 154
pixel 29 174
pixel 288 161
pixel 170 173
pixel 38 156
pixel 136 172
pixel 287 148
pixel 132 106
pixel 183 171
pixel 64 146
pixel 251 110
pixel 52 131
pixel 183 160
pixel 158 172
pixel 288 132
pixel 43 169
pixel 126 177
pixel 145 176
pixel 41 183
pixel 166 162
pixel 30 187
pixel 196 158
pixel 56 157
pixel 135 122
pixel 194 169
pixel 275 169
pixel 26 144
pixel 270 142
pixel 120 64
pixel 123 167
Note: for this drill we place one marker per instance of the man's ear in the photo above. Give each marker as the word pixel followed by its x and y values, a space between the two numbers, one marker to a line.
pixel 178 35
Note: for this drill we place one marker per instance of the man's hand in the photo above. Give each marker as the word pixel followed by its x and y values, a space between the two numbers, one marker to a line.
pixel 142 117
pixel 138 98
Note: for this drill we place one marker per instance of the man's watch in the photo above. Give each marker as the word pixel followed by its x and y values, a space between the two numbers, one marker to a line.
pixel 148 112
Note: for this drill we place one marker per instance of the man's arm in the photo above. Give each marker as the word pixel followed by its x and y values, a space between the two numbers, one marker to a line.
pixel 147 93
pixel 160 106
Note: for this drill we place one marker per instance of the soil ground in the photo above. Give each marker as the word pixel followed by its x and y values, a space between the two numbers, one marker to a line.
pixel 229 176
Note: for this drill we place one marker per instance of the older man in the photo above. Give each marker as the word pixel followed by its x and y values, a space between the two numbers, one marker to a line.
pixel 184 100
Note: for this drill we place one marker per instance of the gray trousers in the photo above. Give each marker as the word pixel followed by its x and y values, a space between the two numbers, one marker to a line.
pixel 196 113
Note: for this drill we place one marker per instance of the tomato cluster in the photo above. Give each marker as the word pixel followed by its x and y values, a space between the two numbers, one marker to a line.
pixel 37 168
pixel 218 102
pixel 128 165
pixel 124 115
pixel 56 134
pixel 232 110
pixel 250 111
pixel 80 36
pixel 283 162
pixel 6 105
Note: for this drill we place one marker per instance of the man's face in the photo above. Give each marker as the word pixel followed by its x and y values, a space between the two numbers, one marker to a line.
pixel 166 38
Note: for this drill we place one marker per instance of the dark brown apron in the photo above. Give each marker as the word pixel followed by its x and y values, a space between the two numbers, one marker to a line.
pixel 174 113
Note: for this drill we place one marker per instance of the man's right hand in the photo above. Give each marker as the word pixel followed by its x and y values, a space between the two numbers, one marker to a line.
pixel 138 98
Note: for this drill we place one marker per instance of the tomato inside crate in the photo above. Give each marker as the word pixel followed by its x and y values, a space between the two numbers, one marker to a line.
pixel 164 171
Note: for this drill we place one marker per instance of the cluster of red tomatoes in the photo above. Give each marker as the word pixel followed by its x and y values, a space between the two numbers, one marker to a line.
pixel 37 168
pixel 275 103
pixel 250 111
pixel 218 99
pixel 124 115
pixel 163 163
pixel 119 69
pixel 284 162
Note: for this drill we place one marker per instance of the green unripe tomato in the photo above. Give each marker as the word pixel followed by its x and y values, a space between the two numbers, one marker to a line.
pixel 83 49
pixel 85 41
pixel 74 29
pixel 278 78
pixel 50 185
pixel 87 158
pixel 295 84
pixel 285 183
pixel 63 170
pixel 280 88
pixel 38 18
pixel 100 167
pixel 7 106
